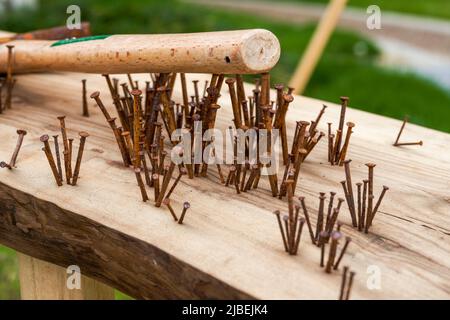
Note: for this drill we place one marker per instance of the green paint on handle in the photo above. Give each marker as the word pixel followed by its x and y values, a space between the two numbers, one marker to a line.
pixel 68 41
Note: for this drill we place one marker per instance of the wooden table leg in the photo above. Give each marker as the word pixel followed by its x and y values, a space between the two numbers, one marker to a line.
pixel 40 280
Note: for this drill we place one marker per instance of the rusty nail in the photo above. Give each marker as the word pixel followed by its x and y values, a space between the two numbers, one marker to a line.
pixel 301 223
pixel 67 164
pixel 137 172
pixel 283 236
pixel 166 202
pixel 319 226
pixel 420 143
pixel 323 237
pixel 363 205
pixel 44 138
pixel 348 177
pixel 96 96
pixel 186 206
pixel 371 167
pixel 182 172
pixel 349 286
pixel 377 205
pixel 330 207
pixel 344 103
pixel 165 183
pixel 3 164
pixel 343 283
pixel 405 119
pixel 58 155
pixel 308 222
pixel 21 134
pixel 84 98
pixel 335 236
pixel 347 241
pixel 155 179
pixel 288 233
pixel 83 136
pixel 359 185
pixel 343 154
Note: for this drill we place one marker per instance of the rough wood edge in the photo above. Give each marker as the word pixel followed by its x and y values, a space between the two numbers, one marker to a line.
pixel 45 231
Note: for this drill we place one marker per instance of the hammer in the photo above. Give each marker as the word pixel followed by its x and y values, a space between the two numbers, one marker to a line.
pixel 225 52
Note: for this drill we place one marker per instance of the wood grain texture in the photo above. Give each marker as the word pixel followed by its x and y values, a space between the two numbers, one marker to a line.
pixel 40 280
pixel 229 245
pixel 240 51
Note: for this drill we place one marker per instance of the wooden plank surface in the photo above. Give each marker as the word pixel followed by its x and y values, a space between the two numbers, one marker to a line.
pixel 230 246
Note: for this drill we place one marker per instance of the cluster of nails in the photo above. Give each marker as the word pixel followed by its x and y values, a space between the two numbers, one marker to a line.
pixel 362 215
pixel 398 144
pixel 336 151
pixel 140 136
pixel 325 234
pixel 56 167
pixel 260 112
pixel 293 225
pixel 7 83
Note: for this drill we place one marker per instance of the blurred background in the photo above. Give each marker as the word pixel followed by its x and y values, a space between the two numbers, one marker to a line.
pixel 401 69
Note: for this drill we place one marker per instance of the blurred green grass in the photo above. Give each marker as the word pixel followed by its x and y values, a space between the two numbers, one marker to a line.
pixel 348 66
pixel 9 281
pixel 433 8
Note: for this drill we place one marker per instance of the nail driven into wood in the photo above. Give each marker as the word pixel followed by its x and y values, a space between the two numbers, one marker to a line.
pixel 301 223
pixel 363 204
pixel 44 138
pixel 323 237
pixel 308 222
pixel 371 167
pixel 12 163
pixel 58 155
pixel 341 255
pixel 182 172
pixel 84 99
pixel 67 165
pixel 186 206
pixel 335 236
pixel 330 207
pixel 343 283
pixel 165 183
pixel 344 103
pixel 359 186
pixel 351 199
pixel 137 173
pixel 377 205
pixel 320 216
pixel 349 285
pixel 283 236
pixel 70 150
pixel 166 202
pixel 155 179
pixel 343 154
pixel 83 136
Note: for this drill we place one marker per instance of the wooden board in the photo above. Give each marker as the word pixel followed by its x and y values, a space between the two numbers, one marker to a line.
pixel 230 246
pixel 40 280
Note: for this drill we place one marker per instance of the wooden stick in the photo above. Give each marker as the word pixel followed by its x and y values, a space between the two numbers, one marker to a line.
pixel 316 46
pixel 223 52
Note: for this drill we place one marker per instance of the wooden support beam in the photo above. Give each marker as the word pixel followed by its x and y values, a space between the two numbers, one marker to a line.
pixel 41 280
pixel 229 245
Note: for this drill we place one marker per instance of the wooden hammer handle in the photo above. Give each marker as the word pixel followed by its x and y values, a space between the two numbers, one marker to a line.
pixel 241 51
